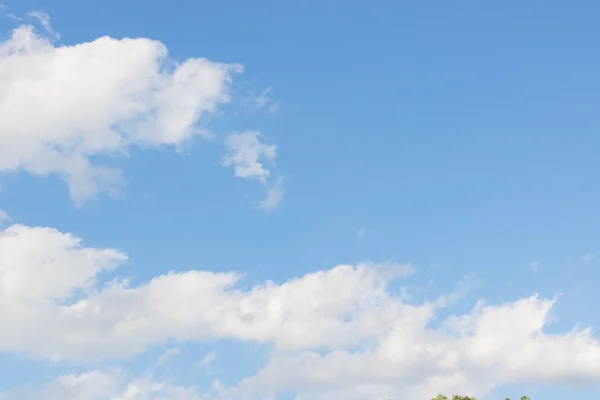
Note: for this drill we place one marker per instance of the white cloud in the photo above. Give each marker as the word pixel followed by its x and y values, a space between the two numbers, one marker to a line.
pixel 63 105
pixel 58 267
pixel 246 154
pixel 44 20
pixel 337 333
pixel 473 353
pixel 322 309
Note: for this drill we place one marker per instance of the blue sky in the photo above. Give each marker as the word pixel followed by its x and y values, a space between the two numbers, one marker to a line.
pixel 460 139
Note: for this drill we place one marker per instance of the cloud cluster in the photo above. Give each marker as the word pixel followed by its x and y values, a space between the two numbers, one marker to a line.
pixel 476 352
pixel 61 106
pixel 54 287
pixel 338 333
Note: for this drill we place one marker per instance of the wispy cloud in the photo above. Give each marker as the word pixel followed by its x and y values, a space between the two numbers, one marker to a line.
pixel 361 232
pixel 274 196
pixel 4 217
pixel 534 265
pixel 263 100
pixel 4 10
pixel 274 108
pixel 364 231
pixel 468 283
pixel 169 353
pixel 207 360
pixel 588 258
pixel 44 20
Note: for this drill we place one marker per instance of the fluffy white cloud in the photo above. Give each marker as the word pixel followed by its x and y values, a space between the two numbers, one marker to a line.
pixel 491 346
pixel 58 266
pixel 62 105
pixel 53 288
pixel 338 333
pixel 246 155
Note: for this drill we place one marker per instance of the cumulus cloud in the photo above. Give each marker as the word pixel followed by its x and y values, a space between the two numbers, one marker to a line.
pixel 58 267
pixel 63 105
pixel 337 333
pixel 473 353
pixel 322 309
pixel 246 154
